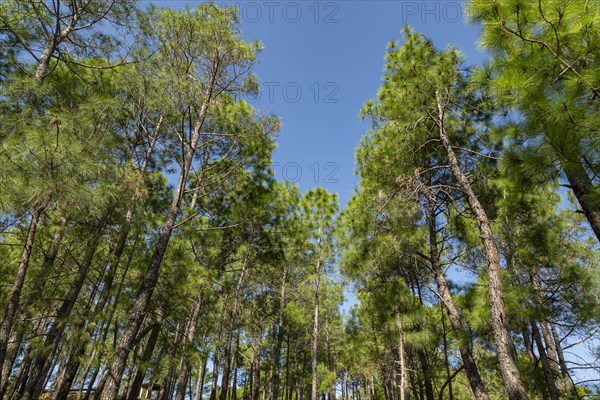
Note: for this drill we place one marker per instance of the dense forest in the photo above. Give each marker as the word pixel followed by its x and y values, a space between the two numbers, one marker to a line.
pixel 148 251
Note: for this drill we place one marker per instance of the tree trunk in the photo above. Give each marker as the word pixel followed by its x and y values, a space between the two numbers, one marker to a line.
pixel 140 373
pixel 201 377
pixel 19 382
pixel 476 383
pixel 427 383
pixel 585 192
pixel 84 374
pixel 138 310
pixel 215 372
pixel 189 335
pixel 11 355
pixel 42 362
pixel 446 360
pixel 73 362
pixel 235 366
pixel 499 320
pixel 402 378
pixel 277 353
pixel 287 391
pixel 255 390
pixel 232 321
pixel 315 334
pixel 567 383
pixel 58 37
pixel 330 362
pixel 548 373
pixel 15 293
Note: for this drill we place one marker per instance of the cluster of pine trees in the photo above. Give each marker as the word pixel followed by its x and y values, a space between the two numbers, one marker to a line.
pixel 146 244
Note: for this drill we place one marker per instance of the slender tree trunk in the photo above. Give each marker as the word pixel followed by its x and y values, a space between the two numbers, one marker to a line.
pixel 315 333
pixel 19 382
pixel 15 293
pixel 140 373
pixel 446 360
pixel 235 366
pixel 567 383
pixel 402 375
pixel 548 373
pixel 499 321
pixel 137 312
pixel 256 374
pixel 427 383
pixel 12 352
pixel 277 353
pixel 73 362
pixel 330 362
pixel 202 376
pixel 68 370
pixel 550 350
pixel 109 322
pixel 169 382
pixel 232 321
pixel 41 365
pixel 585 192
pixel 476 383
pixel 189 335
pixel 90 386
pixel 288 391
pixel 85 373
pixel 215 373
pixel 43 65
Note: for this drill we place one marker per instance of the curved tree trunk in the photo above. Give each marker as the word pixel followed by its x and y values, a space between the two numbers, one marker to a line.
pixel 505 347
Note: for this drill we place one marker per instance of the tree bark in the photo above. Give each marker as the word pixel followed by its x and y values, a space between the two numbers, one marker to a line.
pixel 567 383
pixel 58 36
pixel 504 344
pixel 548 373
pixel 585 192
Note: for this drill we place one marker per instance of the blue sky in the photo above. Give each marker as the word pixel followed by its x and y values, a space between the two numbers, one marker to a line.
pixel 322 61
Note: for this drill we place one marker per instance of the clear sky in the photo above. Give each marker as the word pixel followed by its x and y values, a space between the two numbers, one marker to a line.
pixel 322 61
